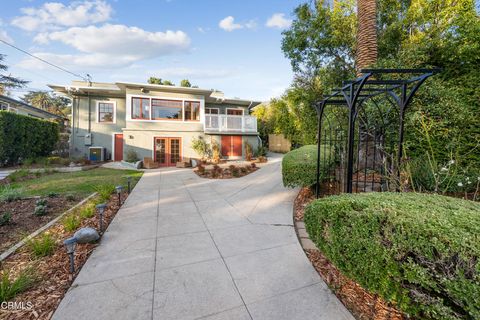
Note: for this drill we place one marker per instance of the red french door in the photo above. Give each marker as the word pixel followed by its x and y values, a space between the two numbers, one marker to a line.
pixel 168 151
pixel 232 146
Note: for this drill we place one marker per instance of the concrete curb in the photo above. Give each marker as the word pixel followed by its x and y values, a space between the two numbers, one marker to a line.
pixel 22 242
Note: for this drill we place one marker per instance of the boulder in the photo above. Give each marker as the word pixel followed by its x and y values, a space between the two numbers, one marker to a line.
pixel 86 235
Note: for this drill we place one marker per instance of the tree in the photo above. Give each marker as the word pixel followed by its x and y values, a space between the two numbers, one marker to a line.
pixel 185 83
pixel 154 80
pixel 8 81
pixel 168 83
pixel 47 101
pixel 367 49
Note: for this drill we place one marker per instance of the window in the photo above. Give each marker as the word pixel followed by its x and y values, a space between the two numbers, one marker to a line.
pixel 166 109
pixel 235 112
pixel 211 111
pixel 192 111
pixel 106 112
pixel 4 106
pixel 141 108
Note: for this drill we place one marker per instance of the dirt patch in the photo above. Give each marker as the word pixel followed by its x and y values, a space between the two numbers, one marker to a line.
pixel 52 272
pixel 218 172
pixel 362 304
pixel 24 222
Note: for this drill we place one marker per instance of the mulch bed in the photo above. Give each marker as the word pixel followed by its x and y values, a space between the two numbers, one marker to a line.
pixel 362 304
pixel 52 272
pixel 24 222
pixel 225 173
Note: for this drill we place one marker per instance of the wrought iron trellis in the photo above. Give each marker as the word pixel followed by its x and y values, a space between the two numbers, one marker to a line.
pixel 354 98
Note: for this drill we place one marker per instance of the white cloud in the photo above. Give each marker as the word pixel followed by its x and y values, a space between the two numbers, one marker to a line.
pixel 4 36
pixel 228 24
pixel 278 20
pixel 55 15
pixel 120 40
pixel 183 72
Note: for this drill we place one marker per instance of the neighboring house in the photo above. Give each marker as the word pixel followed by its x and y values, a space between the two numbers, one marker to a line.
pixel 156 121
pixel 19 107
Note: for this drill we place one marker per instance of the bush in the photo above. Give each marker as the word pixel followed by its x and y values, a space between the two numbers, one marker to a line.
pixel 88 211
pixel 299 166
pixel 418 251
pixel 52 194
pixel 5 218
pixel 71 223
pixel 23 137
pixel 261 151
pixel 10 288
pixel 248 151
pixel 42 246
pixel 131 156
pixel 104 191
pixel 40 210
pixel 70 197
pixel 201 147
pixel 9 194
pixel 14 176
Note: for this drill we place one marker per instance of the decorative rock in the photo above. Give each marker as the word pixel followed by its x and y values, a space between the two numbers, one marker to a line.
pixel 86 235
pixel 138 164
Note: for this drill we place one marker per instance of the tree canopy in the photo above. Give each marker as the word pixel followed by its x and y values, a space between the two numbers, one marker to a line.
pixel 47 101
pixel 7 81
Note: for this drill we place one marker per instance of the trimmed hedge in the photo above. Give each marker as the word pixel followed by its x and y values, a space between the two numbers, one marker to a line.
pixel 299 166
pixel 416 250
pixel 25 137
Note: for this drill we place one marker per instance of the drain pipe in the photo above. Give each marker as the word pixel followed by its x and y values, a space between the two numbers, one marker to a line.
pixel 89 114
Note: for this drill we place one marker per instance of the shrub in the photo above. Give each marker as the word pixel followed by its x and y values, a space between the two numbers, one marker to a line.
pixel 215 152
pixel 131 156
pixel 8 194
pixel 40 210
pixel 418 251
pixel 248 151
pixel 261 151
pixel 87 211
pixel 70 197
pixel 10 288
pixel 71 222
pixel 253 165
pixel 18 175
pixel 5 218
pixel 201 147
pixel 104 191
pixel 41 202
pixel 24 137
pixel 201 168
pixel 235 171
pixel 52 194
pixel 54 160
pixel 243 170
pixel 299 166
pixel 42 246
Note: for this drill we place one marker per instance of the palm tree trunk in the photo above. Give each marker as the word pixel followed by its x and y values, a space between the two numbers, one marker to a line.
pixel 367 49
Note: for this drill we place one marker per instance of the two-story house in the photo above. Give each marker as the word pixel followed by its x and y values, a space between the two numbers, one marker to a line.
pixel 156 121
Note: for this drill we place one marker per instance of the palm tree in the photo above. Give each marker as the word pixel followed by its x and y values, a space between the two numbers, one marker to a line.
pixel 367 49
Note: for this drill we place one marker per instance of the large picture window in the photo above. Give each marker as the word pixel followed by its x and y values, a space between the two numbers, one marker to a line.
pixel 166 109
pixel 192 110
pixel 106 112
pixel 141 108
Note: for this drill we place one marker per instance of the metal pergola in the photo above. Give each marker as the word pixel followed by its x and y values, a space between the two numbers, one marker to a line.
pixel 371 83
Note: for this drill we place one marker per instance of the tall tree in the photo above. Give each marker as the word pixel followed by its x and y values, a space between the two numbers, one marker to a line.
pixel 367 48
pixel 7 81
pixel 46 101
pixel 185 83
pixel 154 80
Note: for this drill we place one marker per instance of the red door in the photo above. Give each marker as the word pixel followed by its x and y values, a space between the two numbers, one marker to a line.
pixel 168 151
pixel 118 156
pixel 232 146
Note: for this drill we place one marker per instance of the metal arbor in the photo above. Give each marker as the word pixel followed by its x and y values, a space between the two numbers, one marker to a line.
pixel 361 130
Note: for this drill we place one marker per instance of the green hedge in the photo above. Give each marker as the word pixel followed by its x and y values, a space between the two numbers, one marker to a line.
pixel 299 166
pixel 416 250
pixel 25 137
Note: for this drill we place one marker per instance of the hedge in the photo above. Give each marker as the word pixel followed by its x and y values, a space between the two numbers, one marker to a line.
pixel 418 251
pixel 23 137
pixel 299 166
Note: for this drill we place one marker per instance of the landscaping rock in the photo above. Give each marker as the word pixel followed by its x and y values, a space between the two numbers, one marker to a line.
pixel 86 235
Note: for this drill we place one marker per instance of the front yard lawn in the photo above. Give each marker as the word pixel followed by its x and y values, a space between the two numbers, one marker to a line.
pixel 81 183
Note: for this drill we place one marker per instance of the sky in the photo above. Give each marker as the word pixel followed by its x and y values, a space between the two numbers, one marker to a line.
pixel 229 45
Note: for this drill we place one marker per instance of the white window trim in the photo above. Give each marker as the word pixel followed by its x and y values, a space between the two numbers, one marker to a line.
pixel 114 112
pixel 218 109
pixel 226 111
pixel 5 104
pixel 128 113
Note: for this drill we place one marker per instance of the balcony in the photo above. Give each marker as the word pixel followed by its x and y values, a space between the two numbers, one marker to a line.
pixel 230 124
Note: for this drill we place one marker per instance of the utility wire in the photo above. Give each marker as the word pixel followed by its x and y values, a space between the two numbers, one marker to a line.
pixel 87 78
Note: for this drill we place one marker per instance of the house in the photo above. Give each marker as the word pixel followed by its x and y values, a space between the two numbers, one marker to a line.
pixel 20 107
pixel 156 121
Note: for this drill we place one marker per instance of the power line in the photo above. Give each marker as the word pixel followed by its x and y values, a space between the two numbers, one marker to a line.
pixel 87 78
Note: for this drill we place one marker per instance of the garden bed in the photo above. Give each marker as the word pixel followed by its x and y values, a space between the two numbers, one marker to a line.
pixel 48 276
pixel 23 221
pixel 225 172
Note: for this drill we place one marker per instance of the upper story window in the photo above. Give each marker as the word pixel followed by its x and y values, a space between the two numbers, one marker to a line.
pixel 192 110
pixel 4 106
pixel 212 111
pixel 141 108
pixel 166 109
pixel 235 112
pixel 106 112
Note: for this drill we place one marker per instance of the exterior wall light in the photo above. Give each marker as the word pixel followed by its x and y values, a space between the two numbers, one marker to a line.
pixel 70 245
pixel 101 209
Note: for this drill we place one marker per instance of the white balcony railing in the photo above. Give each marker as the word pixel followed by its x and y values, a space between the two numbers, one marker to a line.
pixel 230 123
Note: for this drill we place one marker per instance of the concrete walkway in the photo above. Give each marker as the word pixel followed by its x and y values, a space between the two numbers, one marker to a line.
pixel 183 247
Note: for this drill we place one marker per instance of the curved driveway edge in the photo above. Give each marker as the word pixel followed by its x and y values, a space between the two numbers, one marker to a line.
pixel 183 247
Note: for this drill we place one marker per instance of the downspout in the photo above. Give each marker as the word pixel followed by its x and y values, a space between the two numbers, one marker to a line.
pixel 72 121
pixel 89 114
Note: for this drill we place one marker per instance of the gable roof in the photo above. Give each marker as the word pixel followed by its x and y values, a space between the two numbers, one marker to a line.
pixel 29 107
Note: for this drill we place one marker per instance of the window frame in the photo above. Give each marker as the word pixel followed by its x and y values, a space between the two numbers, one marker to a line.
pixel 141 113
pixel 114 116
pixel 167 119
pixel 209 108
pixel 191 113
pixel 236 109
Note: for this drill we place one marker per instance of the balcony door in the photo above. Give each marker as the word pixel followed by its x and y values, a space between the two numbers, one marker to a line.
pixel 232 146
pixel 168 151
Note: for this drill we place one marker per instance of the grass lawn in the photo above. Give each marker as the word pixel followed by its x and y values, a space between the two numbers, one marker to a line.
pixel 80 183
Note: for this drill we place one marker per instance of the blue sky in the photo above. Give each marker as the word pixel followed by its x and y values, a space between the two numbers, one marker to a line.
pixel 233 46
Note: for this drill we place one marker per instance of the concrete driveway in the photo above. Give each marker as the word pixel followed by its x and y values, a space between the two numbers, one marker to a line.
pixel 183 247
